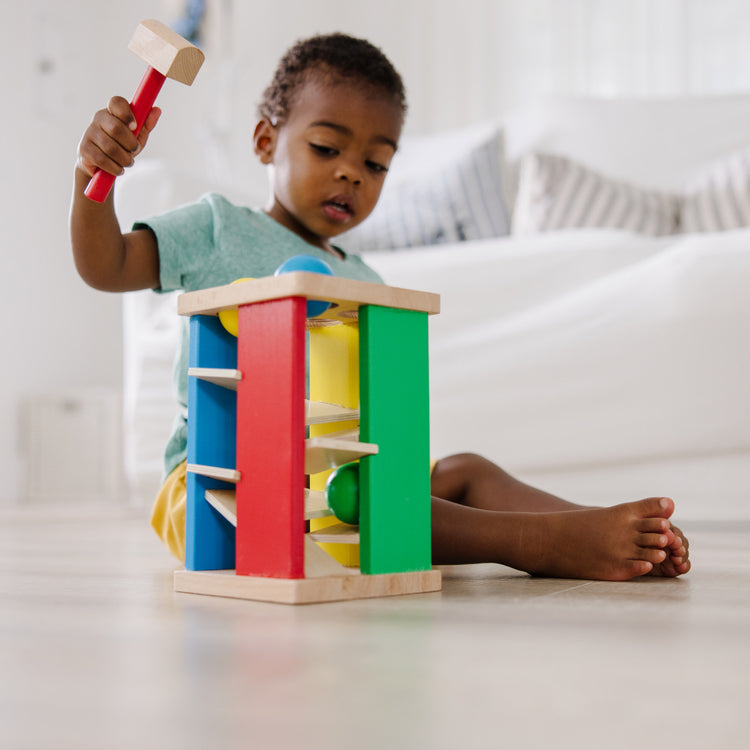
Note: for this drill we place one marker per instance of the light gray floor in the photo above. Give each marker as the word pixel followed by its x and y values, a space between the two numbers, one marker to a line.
pixel 96 651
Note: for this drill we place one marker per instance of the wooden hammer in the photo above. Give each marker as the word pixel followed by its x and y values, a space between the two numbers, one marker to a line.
pixel 168 56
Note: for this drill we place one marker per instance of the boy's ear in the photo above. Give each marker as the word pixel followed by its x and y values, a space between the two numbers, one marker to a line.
pixel 264 141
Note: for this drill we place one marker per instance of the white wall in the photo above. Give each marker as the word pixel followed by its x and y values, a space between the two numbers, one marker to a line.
pixel 56 333
pixel 462 62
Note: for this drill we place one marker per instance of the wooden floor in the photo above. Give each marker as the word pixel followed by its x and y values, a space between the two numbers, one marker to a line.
pixel 97 651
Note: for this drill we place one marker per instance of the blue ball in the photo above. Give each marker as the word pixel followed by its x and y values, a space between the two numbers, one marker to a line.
pixel 310 264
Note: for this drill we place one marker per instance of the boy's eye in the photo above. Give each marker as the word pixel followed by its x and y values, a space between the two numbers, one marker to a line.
pixel 376 167
pixel 330 152
pixel 323 150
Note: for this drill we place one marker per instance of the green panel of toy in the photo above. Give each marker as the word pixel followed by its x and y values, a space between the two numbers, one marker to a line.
pixel 394 525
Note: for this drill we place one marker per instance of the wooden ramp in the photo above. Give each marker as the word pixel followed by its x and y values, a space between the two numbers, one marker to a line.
pixel 321 453
pixel 225 501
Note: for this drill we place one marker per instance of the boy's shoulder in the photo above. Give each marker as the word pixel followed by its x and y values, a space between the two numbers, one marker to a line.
pixel 219 216
pixel 208 208
pixel 221 205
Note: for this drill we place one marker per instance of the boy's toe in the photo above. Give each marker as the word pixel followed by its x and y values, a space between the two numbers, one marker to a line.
pixel 656 507
pixel 652 540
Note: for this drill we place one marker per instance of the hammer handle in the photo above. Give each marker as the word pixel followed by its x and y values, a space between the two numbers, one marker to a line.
pixel 142 103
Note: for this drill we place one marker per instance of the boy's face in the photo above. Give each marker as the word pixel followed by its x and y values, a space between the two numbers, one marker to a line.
pixel 329 158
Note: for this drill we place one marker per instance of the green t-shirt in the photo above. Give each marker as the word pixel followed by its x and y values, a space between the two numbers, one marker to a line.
pixel 211 243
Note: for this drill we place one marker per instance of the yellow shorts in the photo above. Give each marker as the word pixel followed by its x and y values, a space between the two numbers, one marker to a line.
pixel 168 514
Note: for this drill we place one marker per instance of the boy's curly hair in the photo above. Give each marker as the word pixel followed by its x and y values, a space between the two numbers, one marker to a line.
pixel 334 56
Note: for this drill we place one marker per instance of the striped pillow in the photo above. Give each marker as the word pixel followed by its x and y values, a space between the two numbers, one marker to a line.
pixel 719 198
pixel 557 193
pixel 448 189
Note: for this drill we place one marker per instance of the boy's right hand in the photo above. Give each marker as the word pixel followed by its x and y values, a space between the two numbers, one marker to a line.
pixel 109 142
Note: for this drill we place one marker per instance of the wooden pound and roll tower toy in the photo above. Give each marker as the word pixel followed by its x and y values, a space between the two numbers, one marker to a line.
pixel 254 438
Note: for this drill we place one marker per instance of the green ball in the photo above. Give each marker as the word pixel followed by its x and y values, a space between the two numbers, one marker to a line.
pixel 342 493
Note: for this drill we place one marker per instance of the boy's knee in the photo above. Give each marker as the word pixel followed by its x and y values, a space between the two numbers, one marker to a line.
pixel 467 459
pixel 469 463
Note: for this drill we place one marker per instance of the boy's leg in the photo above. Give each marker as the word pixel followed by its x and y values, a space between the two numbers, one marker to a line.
pixel 472 480
pixel 482 514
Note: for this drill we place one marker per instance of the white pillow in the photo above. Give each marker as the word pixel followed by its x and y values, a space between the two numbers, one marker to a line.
pixel 440 188
pixel 656 143
pixel 559 193
pixel 719 198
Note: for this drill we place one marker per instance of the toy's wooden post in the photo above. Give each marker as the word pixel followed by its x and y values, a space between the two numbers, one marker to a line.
pixel 394 404
pixel 271 439
pixel 168 56
pixel 209 538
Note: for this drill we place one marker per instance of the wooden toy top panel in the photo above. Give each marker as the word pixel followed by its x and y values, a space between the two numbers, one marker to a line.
pixel 345 295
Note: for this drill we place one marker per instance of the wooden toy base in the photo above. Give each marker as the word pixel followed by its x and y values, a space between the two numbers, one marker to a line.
pixel 305 590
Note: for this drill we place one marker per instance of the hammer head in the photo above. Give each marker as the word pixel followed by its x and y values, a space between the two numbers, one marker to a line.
pixel 166 51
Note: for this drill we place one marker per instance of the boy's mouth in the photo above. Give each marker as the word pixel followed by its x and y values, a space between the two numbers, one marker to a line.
pixel 340 208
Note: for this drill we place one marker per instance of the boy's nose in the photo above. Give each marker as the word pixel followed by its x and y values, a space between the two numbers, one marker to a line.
pixel 349 173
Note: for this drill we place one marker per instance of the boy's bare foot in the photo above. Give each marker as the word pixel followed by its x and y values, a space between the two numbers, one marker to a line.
pixel 609 544
pixel 612 544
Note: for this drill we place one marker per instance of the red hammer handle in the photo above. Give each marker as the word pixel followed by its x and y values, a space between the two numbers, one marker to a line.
pixel 142 103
